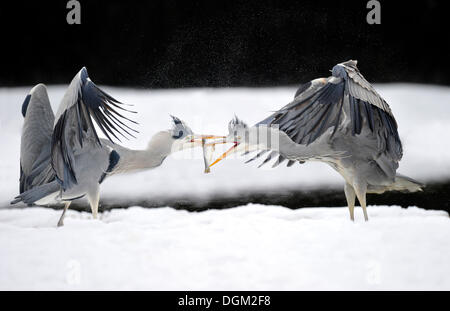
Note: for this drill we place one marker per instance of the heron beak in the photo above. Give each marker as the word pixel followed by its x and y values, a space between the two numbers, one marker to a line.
pixel 227 153
pixel 203 138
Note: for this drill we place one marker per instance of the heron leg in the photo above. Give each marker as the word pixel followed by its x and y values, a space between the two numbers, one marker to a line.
pixel 61 219
pixel 93 199
pixel 350 196
pixel 361 190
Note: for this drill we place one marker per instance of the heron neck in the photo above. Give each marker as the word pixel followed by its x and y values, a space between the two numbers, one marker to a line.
pixel 264 137
pixel 138 160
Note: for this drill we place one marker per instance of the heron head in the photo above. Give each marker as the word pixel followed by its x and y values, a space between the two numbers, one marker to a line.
pixel 238 134
pixel 184 138
pixel 237 130
pixel 180 130
pixel 339 69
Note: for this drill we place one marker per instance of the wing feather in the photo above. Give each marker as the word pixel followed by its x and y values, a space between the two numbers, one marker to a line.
pixel 318 106
pixel 269 157
pixel 82 103
pixel 259 154
pixel 364 97
pixel 36 138
pixel 360 88
pixel 290 163
pixel 311 114
pixel 280 160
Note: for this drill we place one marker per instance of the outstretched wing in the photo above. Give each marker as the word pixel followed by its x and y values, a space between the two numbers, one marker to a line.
pixel 359 88
pixel 318 106
pixel 312 112
pixel 82 102
pixel 35 167
pixel 368 107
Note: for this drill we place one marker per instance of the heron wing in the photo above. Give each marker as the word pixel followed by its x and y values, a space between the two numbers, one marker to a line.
pixel 304 92
pixel 311 113
pixel 302 88
pixel 318 106
pixel 367 105
pixel 35 167
pixel 82 103
pixel 361 89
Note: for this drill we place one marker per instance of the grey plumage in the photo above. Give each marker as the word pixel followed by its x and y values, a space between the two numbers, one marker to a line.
pixel 38 192
pixel 259 154
pixel 83 101
pixel 114 158
pixel 320 107
pixel 25 105
pixel 62 157
pixel 342 121
pixel 36 138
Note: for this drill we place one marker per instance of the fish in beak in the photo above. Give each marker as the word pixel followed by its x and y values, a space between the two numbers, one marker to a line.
pixel 208 147
pixel 227 153
pixel 208 152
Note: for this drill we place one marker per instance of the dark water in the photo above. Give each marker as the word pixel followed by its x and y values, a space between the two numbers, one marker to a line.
pixel 436 196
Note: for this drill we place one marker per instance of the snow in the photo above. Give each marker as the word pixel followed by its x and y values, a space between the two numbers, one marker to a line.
pixel 422 112
pixel 248 247
pixel 253 247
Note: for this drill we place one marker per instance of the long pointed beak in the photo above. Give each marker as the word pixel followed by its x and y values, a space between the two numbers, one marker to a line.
pixel 227 153
pixel 203 138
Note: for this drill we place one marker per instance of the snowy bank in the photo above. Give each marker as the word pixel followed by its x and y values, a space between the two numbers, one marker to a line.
pixel 253 247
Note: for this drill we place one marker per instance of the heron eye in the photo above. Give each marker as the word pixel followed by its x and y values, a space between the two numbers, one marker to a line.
pixel 180 134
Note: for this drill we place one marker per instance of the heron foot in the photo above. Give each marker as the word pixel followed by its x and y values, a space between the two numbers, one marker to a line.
pixel 366 217
pixel 361 190
pixel 61 219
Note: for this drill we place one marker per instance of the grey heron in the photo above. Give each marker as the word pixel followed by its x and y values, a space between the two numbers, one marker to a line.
pixel 62 158
pixel 340 120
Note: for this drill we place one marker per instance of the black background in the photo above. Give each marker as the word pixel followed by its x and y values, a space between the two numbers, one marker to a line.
pixel 161 44
pixel 280 300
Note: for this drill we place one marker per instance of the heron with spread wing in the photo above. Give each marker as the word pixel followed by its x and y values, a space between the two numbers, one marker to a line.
pixel 340 120
pixel 62 158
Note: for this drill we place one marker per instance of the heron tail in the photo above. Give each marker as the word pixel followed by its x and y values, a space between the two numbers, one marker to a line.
pixel 35 194
pixel 405 183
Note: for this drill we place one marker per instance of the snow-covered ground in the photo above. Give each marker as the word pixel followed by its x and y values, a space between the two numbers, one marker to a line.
pixel 254 247
pixel 249 247
pixel 422 112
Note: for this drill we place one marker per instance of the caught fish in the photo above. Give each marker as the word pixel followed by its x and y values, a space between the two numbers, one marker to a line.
pixel 208 153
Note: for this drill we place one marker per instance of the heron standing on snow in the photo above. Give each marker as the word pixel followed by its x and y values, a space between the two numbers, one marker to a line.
pixel 340 120
pixel 63 159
